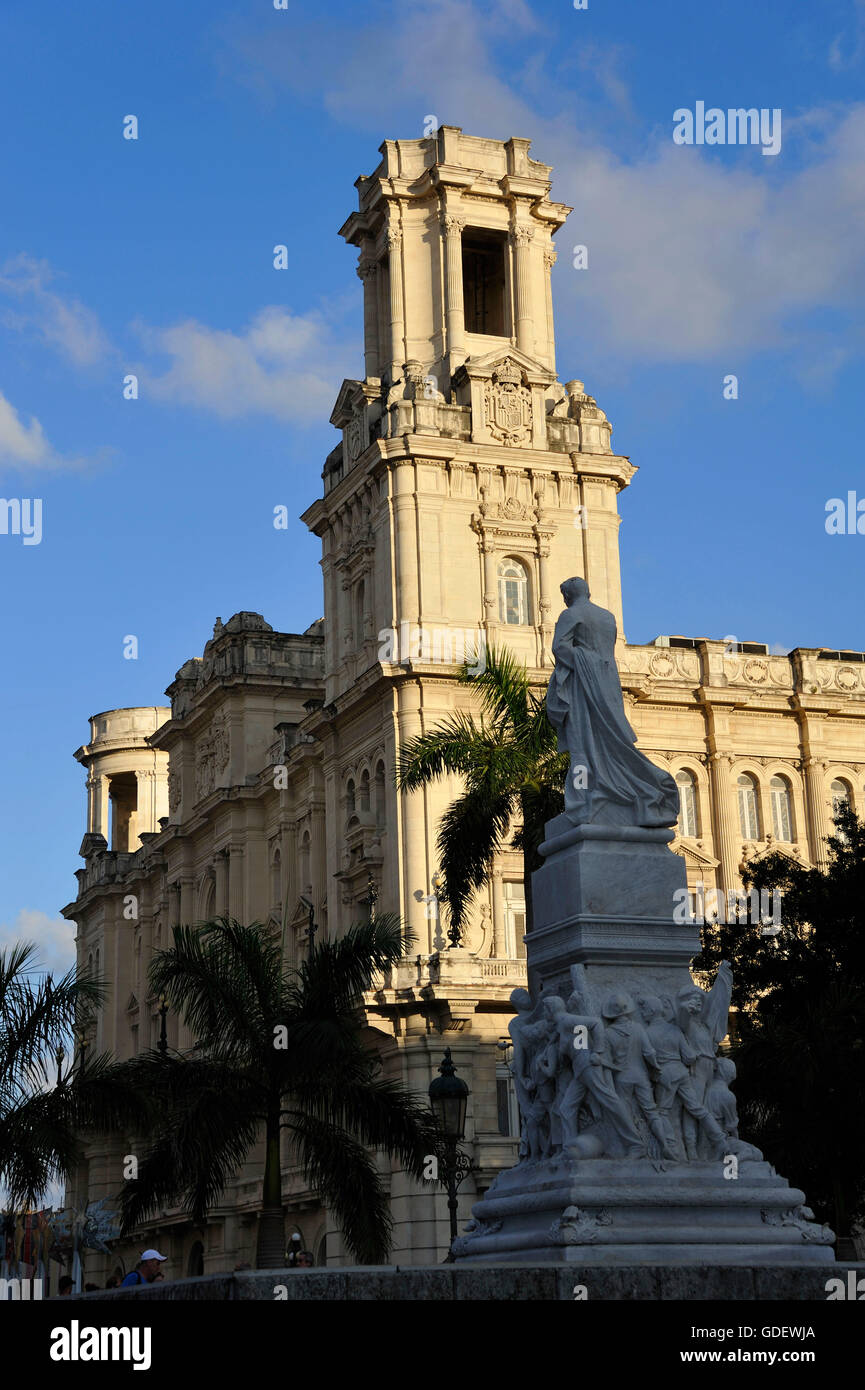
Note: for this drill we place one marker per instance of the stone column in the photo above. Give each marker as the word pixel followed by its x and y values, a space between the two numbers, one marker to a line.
pixel 397 310
pixel 368 273
pixel 98 814
pixel 414 819
pixel 545 626
pixel 290 889
pixel 236 905
pixel 521 239
pixel 455 309
pixel 726 836
pixel 318 866
pixel 499 945
pixel 221 893
pixel 490 586
pixel 405 541
pixel 145 802
pixel 549 262
pixel 815 800
pixel 765 804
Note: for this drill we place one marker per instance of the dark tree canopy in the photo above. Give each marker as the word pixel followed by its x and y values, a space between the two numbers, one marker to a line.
pixel 800 1028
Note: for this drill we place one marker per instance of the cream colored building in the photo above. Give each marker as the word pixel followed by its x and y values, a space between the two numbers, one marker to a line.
pixel 468 482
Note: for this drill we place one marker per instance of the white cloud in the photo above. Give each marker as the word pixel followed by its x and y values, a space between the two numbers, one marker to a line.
pixel 53 936
pixel 21 444
pixel 59 320
pixel 24 446
pixel 283 365
pixel 692 256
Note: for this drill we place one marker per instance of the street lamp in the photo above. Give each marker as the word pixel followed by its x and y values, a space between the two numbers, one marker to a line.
pixel 448 1100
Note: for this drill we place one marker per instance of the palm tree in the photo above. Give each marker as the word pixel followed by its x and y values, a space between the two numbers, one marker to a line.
pixel 512 769
pixel 43 1114
pixel 279 1048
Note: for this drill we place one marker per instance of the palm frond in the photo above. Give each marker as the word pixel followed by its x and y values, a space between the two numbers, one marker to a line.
pixel 471 832
pixel 503 689
pixel 210 1123
pixel 345 1174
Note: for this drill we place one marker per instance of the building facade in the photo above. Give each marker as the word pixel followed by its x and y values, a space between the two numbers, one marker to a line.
pixel 467 483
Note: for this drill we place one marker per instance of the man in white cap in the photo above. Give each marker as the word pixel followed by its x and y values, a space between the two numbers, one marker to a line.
pixel 146 1270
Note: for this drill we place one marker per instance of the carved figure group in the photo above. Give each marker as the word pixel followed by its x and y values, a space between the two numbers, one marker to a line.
pixel 638 1077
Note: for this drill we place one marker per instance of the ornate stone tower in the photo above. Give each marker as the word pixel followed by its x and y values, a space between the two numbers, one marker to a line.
pixel 460 448
pixel 127 780
pixel 469 482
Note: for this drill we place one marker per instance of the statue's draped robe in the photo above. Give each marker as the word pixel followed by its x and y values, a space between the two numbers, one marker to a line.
pixel 584 702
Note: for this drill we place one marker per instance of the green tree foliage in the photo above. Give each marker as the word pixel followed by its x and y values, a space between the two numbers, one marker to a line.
pixel 43 1113
pixel 512 771
pixel 800 1030
pixel 280 1050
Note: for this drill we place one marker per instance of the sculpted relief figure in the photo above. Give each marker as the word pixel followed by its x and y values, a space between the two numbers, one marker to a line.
pixel 631 1056
pixel 523 1037
pixel 610 781
pixel 703 1019
pixel 675 1091
pixel 607 1084
pixel 588 1083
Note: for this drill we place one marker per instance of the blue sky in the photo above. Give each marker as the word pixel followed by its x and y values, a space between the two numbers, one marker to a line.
pixel 155 257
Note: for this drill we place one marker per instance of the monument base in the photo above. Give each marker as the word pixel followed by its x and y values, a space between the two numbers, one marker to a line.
pixel 599 1211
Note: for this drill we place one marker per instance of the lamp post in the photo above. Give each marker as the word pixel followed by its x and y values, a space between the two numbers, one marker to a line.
pixel 448 1100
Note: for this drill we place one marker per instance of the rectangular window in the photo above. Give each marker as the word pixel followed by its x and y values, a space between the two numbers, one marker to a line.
pixel 484 281
pixel 515 920
pixel 503 1106
pixel 506 1101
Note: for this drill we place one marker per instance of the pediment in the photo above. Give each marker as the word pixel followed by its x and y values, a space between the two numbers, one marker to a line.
pixel 791 852
pixel 487 364
pixel 132 1004
pixel 694 857
pixel 349 398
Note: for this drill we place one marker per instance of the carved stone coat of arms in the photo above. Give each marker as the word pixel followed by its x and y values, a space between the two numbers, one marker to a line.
pixel 508 405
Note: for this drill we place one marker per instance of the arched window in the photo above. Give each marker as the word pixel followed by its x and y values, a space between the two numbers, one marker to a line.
pixel 782 821
pixel 840 795
pixel 349 798
pixel 749 823
pixel 513 593
pixel 364 790
pixel 379 793
pixel 687 785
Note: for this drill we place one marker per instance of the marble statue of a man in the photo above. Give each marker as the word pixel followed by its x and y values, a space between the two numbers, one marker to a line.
pixel 609 782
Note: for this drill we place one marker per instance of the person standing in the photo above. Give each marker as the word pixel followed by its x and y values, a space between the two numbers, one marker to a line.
pixel 146 1270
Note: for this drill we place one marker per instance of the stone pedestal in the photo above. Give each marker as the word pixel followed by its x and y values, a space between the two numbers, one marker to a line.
pixel 630 1148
